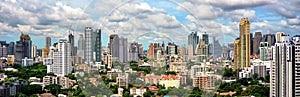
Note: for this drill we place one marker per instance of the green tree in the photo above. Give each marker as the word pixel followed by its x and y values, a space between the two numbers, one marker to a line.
pixel 71 76
pixel 31 89
pixel 53 88
pixel 255 76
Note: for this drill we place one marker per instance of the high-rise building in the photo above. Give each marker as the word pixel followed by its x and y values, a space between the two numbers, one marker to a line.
pixel 123 50
pixel 193 41
pixel 11 48
pixel 172 49
pixel 141 50
pixel 114 45
pixel 89 47
pixel 71 41
pixel 80 49
pixel 98 46
pixel 48 42
pixel 284 79
pixel 243 54
pixel 151 51
pixel 205 38
pixel 33 52
pixel 265 51
pixel 270 38
pixel 237 53
pixel 3 51
pixel 61 56
pixel 215 48
pixel 134 51
pixel 107 60
pixel 256 42
pixel 45 52
pixel 46 49
pixel 23 48
pixel 202 50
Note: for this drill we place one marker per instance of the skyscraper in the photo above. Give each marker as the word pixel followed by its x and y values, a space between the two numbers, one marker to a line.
pixel 48 42
pixel 284 79
pixel 256 42
pixel 11 48
pixel 123 50
pixel 98 46
pixel 80 49
pixel 243 50
pixel 88 51
pixel 134 51
pixel 270 38
pixel 71 41
pixel 33 52
pixel 23 48
pixel 193 41
pixel 46 49
pixel 237 54
pixel 61 56
pixel 151 51
pixel 205 38
pixel 3 50
pixel 114 45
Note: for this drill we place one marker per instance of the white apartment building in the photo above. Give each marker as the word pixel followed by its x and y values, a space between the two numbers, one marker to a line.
pixel 61 59
pixel 284 74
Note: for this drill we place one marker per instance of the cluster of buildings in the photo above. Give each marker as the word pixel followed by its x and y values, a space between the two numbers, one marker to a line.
pixel 273 54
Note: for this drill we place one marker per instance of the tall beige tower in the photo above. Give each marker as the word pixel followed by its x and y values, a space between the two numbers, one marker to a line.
pixel 244 43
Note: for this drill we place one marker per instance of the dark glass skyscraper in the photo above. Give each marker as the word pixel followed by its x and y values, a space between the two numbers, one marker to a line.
pixel 193 40
pixel 71 41
pixel 23 48
pixel 98 46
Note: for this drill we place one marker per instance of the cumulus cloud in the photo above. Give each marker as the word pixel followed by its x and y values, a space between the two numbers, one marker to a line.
pixel 238 4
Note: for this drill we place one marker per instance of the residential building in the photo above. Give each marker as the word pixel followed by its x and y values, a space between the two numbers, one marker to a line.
pixel 27 62
pixel 33 52
pixel 205 80
pixel 170 81
pixel 265 51
pixel 283 75
pixel 122 81
pixel 80 49
pixel 137 91
pixel 89 45
pixel 107 60
pixel 3 51
pixel 61 55
pixel 242 46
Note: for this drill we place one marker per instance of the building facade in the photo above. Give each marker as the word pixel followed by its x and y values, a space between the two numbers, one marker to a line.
pixel 61 56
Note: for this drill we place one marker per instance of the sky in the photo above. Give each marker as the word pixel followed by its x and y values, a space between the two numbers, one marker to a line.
pixel 145 21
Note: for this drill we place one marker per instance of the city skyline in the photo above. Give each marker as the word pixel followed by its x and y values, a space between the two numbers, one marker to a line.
pixel 265 16
pixel 145 48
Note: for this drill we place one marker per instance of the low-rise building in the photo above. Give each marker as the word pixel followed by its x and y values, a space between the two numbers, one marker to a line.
pixel 205 80
pixel 34 79
pixel 137 91
pixel 64 82
pixel 27 62
pixel 122 81
pixel 2 77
